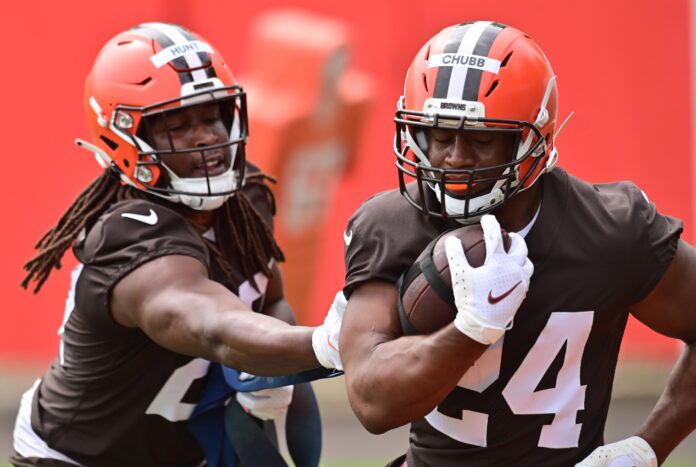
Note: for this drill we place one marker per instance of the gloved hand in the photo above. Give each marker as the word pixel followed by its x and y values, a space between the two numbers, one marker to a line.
pixel 266 404
pixel 487 297
pixel 631 452
pixel 325 337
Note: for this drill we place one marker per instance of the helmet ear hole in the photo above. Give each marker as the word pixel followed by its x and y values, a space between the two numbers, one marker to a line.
pixel 109 142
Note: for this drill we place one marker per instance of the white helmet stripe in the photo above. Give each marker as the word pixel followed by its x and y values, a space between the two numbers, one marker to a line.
pixel 466 47
pixel 175 35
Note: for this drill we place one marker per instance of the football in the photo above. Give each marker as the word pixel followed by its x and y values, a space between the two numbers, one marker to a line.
pixel 426 303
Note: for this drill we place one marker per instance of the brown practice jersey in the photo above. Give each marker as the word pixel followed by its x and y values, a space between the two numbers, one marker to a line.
pixel 539 396
pixel 113 397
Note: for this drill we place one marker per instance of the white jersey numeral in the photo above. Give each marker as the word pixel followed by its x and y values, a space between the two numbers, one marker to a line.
pixel 569 329
pixel 473 426
pixel 248 293
pixel 167 402
pixel 564 400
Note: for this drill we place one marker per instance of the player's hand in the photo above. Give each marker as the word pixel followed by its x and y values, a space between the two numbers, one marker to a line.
pixel 631 452
pixel 266 404
pixel 325 337
pixel 487 297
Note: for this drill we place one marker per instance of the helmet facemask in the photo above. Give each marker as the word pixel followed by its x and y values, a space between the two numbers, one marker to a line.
pixel 466 204
pixel 153 172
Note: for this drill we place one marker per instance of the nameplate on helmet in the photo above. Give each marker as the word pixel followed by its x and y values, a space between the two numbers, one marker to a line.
pixel 175 51
pixel 463 60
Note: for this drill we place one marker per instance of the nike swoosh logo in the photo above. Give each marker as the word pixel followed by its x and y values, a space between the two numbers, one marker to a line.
pixel 150 219
pixel 348 237
pixel 493 300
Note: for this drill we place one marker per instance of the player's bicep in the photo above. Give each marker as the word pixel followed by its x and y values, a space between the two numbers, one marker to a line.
pixel 172 300
pixel 370 319
pixel 670 308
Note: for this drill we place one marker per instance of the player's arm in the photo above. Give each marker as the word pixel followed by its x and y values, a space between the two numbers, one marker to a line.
pixel 172 300
pixel 392 380
pixel 670 309
pixel 271 403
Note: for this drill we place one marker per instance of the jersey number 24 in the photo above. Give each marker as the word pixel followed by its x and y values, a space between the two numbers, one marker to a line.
pixel 564 400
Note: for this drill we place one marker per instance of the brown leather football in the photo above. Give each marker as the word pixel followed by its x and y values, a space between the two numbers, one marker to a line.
pixel 425 290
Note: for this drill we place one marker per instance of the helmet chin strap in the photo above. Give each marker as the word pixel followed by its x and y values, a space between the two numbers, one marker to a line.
pixel 225 182
pixel 456 206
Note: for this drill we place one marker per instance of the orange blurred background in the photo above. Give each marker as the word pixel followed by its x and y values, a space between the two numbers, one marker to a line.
pixel 624 67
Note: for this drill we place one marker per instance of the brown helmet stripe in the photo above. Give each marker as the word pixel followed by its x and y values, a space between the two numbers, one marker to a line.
pixel 469 41
pixel 166 35
pixel 444 72
pixel 483 46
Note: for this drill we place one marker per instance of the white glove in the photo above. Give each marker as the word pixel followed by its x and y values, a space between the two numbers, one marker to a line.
pixel 631 452
pixel 266 404
pixel 325 337
pixel 487 297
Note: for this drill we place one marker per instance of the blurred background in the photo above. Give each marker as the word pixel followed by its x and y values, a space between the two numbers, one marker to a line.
pixel 323 79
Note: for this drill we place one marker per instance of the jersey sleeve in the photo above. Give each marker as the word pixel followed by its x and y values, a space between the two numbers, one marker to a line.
pixel 655 244
pixel 382 240
pixel 128 235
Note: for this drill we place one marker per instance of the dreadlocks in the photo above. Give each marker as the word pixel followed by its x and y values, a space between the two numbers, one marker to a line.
pixel 93 200
pixel 252 239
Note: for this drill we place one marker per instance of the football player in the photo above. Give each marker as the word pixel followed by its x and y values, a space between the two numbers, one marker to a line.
pixel 475 142
pixel 177 265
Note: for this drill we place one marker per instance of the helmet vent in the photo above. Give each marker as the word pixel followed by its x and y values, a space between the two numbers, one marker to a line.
pixel 505 60
pixel 493 86
pixel 425 82
pixel 113 145
pixel 145 81
pixel 427 53
pixel 124 43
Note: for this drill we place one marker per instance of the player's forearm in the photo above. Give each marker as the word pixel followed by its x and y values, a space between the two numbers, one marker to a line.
pixel 262 345
pixel 404 379
pixel 205 320
pixel 232 334
pixel 674 416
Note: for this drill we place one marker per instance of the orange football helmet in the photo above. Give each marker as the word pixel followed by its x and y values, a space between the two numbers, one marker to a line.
pixel 144 73
pixel 476 76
